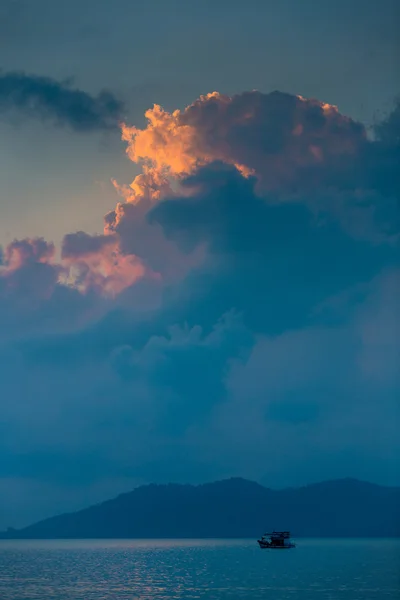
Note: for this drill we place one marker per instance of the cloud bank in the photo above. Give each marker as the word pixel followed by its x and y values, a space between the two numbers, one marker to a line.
pixel 237 316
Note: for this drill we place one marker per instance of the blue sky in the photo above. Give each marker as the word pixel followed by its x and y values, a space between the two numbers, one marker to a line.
pixel 239 317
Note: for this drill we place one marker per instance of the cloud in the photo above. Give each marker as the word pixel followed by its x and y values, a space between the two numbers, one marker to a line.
pixel 281 138
pixel 186 370
pixel 297 149
pixel 96 263
pixel 237 316
pixel 57 102
pixel 273 262
pixel 275 406
pixel 28 270
pixel 388 129
pixel 89 263
pixel 23 252
pixel 306 393
pixel 82 244
pixel 379 327
pixel 32 297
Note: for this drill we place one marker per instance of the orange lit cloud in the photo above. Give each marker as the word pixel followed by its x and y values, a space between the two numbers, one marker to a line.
pixel 108 272
pixel 295 148
pixel 277 137
pixel 88 263
pixel 96 262
pixel 147 188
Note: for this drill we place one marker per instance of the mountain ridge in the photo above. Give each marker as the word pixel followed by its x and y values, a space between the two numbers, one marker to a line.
pixel 230 508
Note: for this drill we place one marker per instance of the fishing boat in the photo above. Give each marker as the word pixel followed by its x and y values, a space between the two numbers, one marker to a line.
pixel 279 540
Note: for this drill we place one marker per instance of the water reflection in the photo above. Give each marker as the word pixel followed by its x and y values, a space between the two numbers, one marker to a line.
pixel 205 569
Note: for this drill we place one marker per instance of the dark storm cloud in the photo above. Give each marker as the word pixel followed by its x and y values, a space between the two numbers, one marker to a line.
pixel 51 100
pixel 271 261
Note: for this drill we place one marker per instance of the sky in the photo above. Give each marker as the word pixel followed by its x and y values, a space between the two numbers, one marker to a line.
pixel 199 232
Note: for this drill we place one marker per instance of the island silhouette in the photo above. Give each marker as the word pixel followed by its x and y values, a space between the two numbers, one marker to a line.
pixel 232 508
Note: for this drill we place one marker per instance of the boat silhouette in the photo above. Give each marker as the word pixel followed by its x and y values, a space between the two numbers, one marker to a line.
pixel 279 540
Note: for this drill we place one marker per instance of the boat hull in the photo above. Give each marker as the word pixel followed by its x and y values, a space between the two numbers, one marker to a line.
pixel 267 545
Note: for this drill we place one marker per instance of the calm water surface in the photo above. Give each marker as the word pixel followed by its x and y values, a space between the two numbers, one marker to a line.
pixel 211 569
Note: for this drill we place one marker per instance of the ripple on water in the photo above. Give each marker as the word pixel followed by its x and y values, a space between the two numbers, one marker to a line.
pixel 209 570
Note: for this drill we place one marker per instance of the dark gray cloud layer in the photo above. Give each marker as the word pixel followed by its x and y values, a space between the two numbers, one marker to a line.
pixel 275 261
pixel 58 102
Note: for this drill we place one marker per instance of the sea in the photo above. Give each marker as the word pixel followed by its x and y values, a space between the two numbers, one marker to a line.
pixel 333 569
